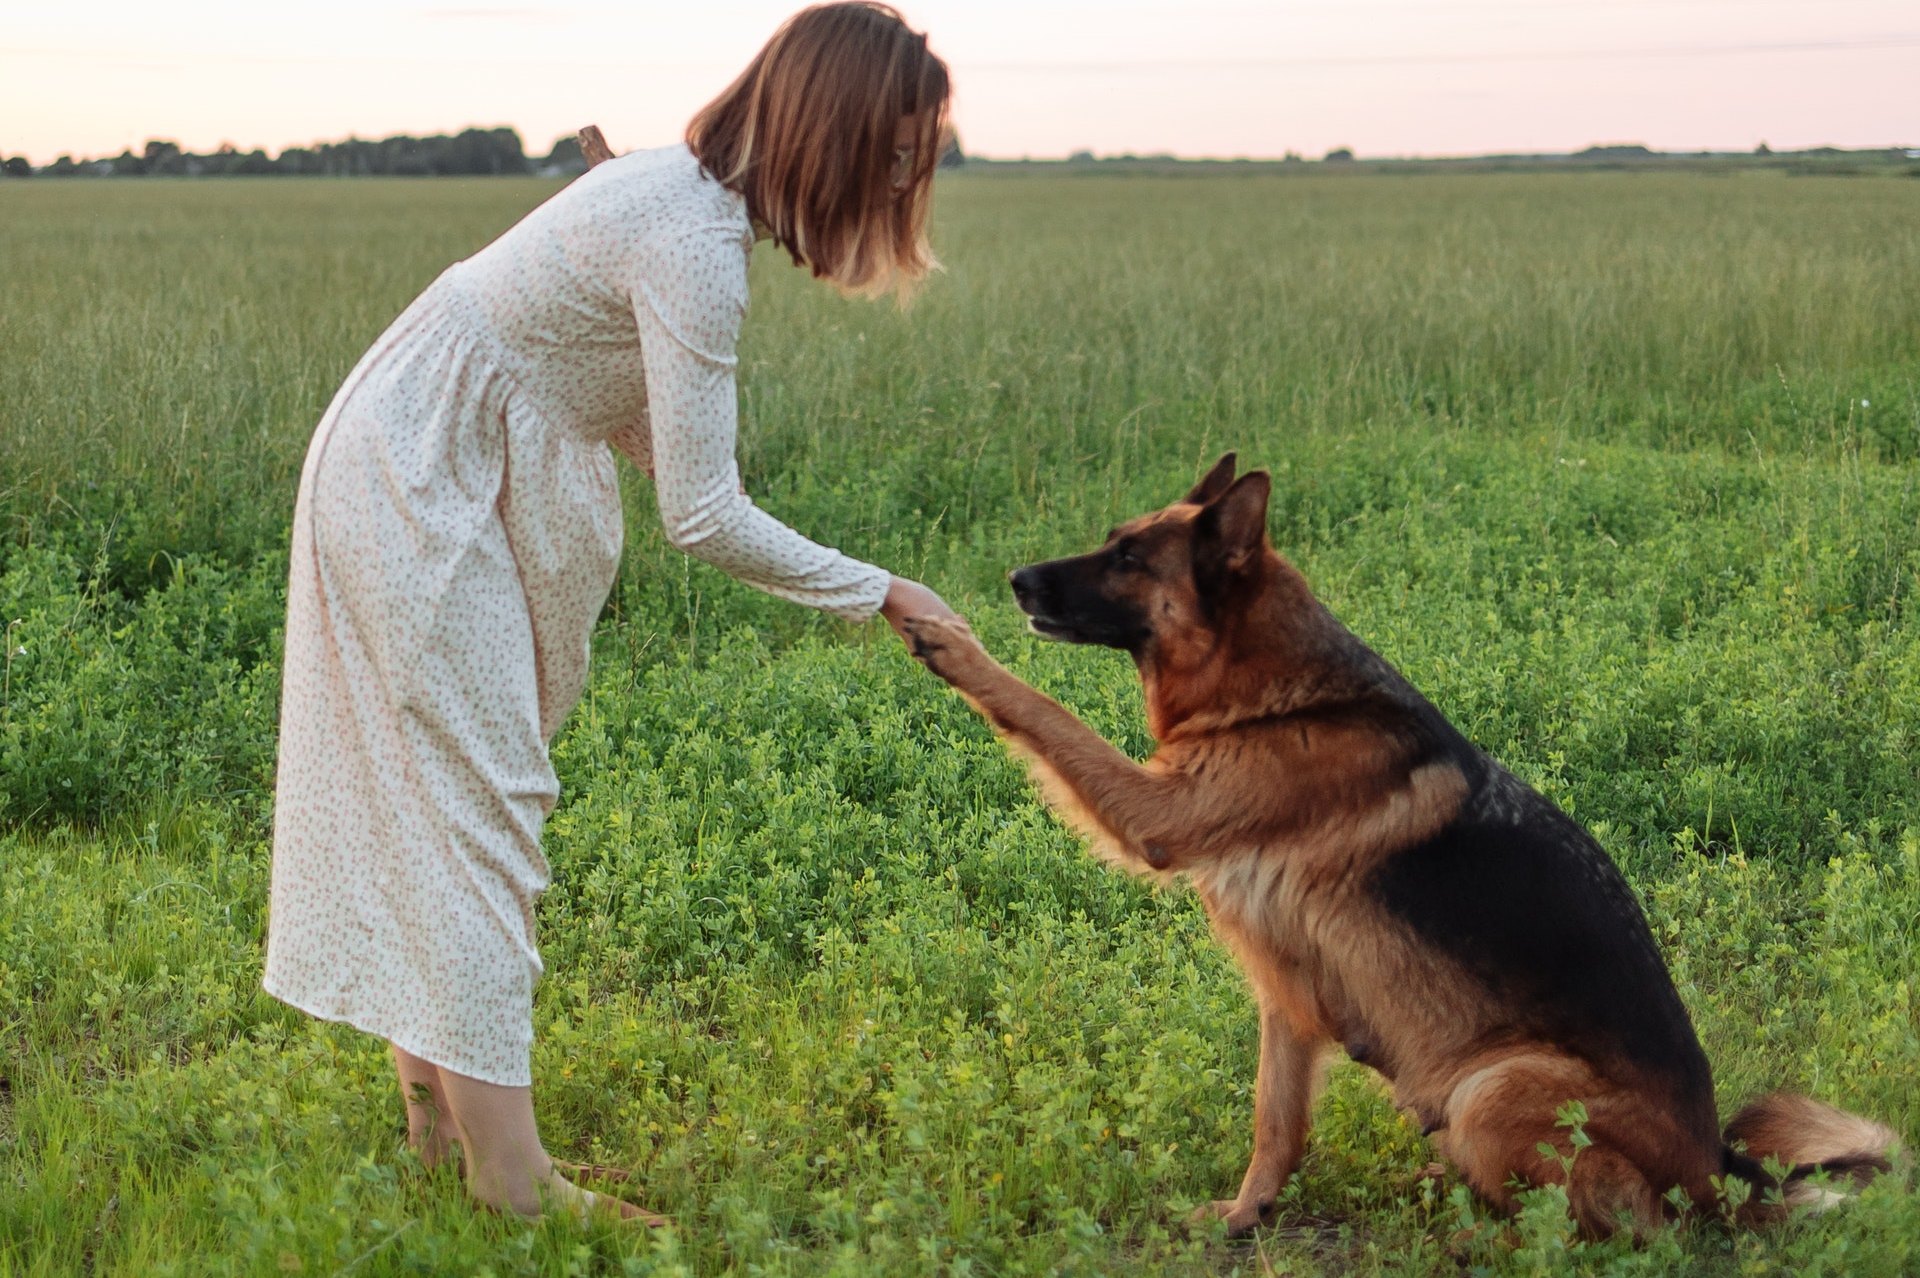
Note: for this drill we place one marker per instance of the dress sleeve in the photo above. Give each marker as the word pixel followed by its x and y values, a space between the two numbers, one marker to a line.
pixel 689 303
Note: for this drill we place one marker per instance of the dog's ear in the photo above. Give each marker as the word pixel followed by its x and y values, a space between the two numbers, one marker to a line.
pixel 1232 528
pixel 1214 482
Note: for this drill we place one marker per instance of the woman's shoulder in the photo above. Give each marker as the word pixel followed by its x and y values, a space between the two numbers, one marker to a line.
pixel 660 162
pixel 669 186
pixel 687 238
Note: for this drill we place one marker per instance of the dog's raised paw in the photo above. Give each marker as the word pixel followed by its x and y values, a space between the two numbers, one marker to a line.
pixel 940 643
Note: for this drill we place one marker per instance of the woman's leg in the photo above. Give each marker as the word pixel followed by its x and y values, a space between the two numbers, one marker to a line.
pixel 507 1166
pixel 430 1128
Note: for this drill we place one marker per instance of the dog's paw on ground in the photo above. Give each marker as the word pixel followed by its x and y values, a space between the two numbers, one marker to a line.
pixel 1241 1218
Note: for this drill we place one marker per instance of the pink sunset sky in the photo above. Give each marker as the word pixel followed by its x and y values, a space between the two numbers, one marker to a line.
pixel 1035 78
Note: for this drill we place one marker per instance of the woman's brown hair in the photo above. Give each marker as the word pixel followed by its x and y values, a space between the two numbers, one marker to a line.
pixel 806 135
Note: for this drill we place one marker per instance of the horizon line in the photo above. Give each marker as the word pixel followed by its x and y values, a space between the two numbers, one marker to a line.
pixel 1068 157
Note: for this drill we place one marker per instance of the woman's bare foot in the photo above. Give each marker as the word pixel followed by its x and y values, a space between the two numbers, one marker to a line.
pixel 554 1192
pixel 592 1206
pixel 499 1149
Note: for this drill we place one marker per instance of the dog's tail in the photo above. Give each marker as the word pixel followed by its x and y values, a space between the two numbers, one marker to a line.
pixel 1806 1137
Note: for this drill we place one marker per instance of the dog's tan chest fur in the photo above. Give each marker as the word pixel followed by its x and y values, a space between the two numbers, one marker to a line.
pixel 1314 941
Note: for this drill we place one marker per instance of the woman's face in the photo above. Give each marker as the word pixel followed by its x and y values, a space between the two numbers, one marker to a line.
pixel 906 150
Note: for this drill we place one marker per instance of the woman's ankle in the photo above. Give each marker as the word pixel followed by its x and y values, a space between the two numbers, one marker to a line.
pixel 524 1189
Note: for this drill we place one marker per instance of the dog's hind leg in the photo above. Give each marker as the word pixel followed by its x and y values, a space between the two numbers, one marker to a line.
pixel 1282 1101
pixel 1606 1191
pixel 1500 1116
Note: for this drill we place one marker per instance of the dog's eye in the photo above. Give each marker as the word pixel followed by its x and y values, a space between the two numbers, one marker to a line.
pixel 1123 556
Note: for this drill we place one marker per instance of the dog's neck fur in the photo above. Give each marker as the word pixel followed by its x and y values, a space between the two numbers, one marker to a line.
pixel 1255 668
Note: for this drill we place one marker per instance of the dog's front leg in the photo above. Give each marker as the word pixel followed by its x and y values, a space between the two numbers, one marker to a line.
pixel 1282 1101
pixel 1144 814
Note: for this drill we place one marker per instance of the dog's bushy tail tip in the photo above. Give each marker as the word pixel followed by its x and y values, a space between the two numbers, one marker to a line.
pixel 1806 1136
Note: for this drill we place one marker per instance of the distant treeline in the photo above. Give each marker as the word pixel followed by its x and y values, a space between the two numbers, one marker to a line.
pixel 488 152
pixel 467 153
pixel 471 152
pixel 1826 161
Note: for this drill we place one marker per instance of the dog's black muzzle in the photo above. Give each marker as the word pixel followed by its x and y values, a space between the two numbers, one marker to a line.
pixel 1060 604
pixel 1026 588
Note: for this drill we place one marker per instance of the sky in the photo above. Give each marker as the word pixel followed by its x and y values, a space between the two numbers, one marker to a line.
pixel 1039 78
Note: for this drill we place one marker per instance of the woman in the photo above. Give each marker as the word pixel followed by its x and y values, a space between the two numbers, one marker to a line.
pixel 457 530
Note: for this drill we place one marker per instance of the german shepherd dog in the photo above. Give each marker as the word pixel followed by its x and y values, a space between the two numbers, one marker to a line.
pixel 1386 885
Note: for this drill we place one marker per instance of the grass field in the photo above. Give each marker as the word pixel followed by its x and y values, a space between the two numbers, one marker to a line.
pixel 1622 470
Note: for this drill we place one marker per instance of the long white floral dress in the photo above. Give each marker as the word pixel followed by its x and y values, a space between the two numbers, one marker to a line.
pixel 455 537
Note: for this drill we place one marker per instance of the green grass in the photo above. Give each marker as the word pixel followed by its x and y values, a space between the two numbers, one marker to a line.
pixel 1623 470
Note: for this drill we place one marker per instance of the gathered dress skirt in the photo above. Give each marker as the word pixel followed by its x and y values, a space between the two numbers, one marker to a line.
pixel 451 552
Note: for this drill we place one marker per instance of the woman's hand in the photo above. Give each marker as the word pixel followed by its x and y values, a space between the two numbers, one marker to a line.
pixel 907 599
